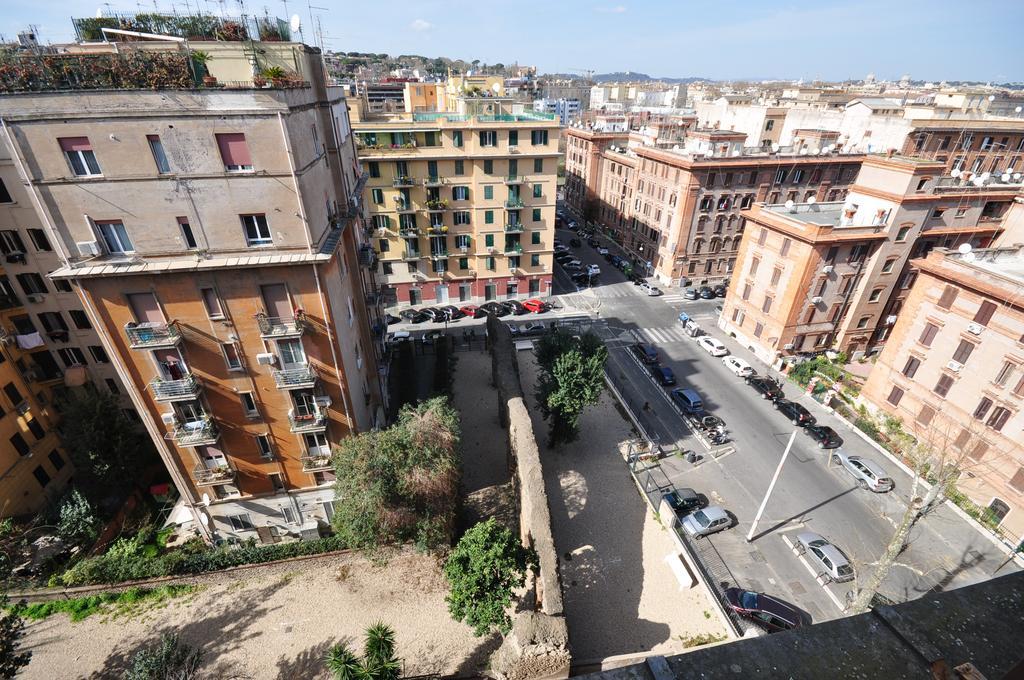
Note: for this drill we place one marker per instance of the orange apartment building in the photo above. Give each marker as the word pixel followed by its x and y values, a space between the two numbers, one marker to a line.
pixel 213 236
pixel 953 371
pixel 817 276
pixel 990 145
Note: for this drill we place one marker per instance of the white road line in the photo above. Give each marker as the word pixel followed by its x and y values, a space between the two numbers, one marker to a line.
pixel 814 575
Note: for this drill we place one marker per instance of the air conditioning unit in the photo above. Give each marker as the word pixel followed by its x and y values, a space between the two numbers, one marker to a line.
pixel 35 297
pixel 788 346
pixel 512 148
pixel 890 320
pixel 954 366
pixel 828 269
pixel 323 401
pixel 975 328
pixel 816 300
pixel 266 358
pixel 169 418
pixel 15 256
pixel 464 249
pixel 88 248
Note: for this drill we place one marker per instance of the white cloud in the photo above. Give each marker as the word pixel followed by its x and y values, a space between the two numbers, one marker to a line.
pixel 421 25
pixel 617 9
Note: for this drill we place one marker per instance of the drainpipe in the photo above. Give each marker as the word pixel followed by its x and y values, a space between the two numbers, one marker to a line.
pixel 316 271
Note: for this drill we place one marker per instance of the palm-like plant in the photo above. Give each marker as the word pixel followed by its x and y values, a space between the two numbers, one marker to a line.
pixel 378 663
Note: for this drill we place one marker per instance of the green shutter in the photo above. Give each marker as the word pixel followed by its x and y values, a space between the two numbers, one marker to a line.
pixel 513 137
pixel 536 214
pixel 488 192
pixel 538 190
pixel 463 263
pixel 489 217
pixel 535 260
pixel 538 165
pixel 535 238
pixel 489 240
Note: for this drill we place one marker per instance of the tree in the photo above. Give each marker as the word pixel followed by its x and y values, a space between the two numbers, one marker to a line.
pixel 378 663
pixel 77 523
pixel 106 447
pixel 590 210
pixel 483 570
pixel 401 483
pixel 12 630
pixel 572 377
pixel 170 659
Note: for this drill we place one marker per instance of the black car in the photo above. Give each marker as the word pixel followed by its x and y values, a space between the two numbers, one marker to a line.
pixel 663 374
pixel 564 257
pixel 414 315
pixel 516 307
pixel 766 611
pixel 637 279
pixel 794 412
pixel 451 312
pixel 766 387
pixel 433 313
pixel 645 353
pixel 575 242
pixel 684 501
pixel 495 309
pixel 608 257
pixel 826 437
pixel 390 319
pixel 582 279
pixel 690 294
pixel 706 293
pixel 719 291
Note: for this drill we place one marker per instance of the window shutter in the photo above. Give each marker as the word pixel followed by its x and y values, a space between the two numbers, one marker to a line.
pixel 948 296
pixel 985 313
pixel 233 149
pixel 74 144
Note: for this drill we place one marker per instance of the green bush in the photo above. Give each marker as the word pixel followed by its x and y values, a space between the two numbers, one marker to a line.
pixel 79 608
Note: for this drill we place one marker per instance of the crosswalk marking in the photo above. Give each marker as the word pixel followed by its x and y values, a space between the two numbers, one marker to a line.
pixel 667 334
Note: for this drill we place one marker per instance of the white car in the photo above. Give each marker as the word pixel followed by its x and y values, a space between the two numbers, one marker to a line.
pixel 738 366
pixel 649 289
pixel 602 251
pixel 869 475
pixel 573 264
pixel 593 269
pixel 713 347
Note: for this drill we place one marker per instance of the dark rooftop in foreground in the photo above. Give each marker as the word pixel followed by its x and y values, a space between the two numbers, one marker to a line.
pixel 982 625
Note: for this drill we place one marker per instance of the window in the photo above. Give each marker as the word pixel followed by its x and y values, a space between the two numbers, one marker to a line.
pixel 1005 373
pixel 5 195
pixel 488 167
pixel 538 190
pixel 776 275
pixel 80 156
pixel 753 266
pixel 998 418
pixel 31 283
pixel 374 169
pixel 863 322
pixel 875 295
pixel 535 238
pixel 767 305
pixel 488 138
pixel 762 236
pixel 942 386
pixel 460 167
pixel 10 242
pixel 985 313
pixel 62 285
pixel 983 406
pixel 538 165
pixel 80 320
pixel 769 125
pixel 963 351
pixel 377 196
pixel 928 334
pixel 910 368
pixel 55 460
pixel 265 449
pixel 249 405
pixel 257 232
pixel 901 235
pixel 457 141
pixel 186 233
pixel 488 217
pixel 99 355
pixel 231 356
pixel 461 217
pixel 539 137
pixel 780 175
pixel 488 192
pixel 39 240
pixel 490 263
pixel 1019 389
pixel 534 260
pixel 159 157
pixel 488 240
pixel 513 140
pixel 115 236
pixel 537 215
pixel 71 356
pixel 212 303
pixel 460 193
pixel 758 329
pixel 746 291
pixel 895 395
pixel 937 213
pixel 241 522
pixel 288 514
pixel 234 152
pixel 785 247
pixel 40 474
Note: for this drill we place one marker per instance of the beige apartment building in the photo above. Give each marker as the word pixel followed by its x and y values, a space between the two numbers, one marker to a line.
pixel 461 203
pixel 953 372
pixel 812 276
pixel 213 236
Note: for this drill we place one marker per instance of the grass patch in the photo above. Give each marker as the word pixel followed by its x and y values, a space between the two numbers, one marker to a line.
pixel 702 639
pixel 80 608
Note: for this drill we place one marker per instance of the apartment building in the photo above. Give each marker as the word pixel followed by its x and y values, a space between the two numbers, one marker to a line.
pixel 812 276
pixel 461 203
pixel 677 210
pixel 34 469
pixel 213 236
pixel 953 372
pixel 565 110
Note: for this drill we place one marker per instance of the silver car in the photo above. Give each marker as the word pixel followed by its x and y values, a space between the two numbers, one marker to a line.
pixel 869 475
pixel 707 521
pixel 825 556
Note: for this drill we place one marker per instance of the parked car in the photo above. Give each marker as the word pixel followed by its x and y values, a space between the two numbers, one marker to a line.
pixel 738 366
pixel 397 337
pixel 593 243
pixel 602 250
pixel 572 264
pixel 825 555
pixel 690 294
pixel 433 313
pixel 411 315
pixel 713 347
pixel 452 312
pixel 794 412
pixel 663 374
pixel 706 293
pixel 562 258
pixel 706 522
pixel 575 243
pixel 516 307
pixel 766 387
pixel 684 501
pixel 607 256
pixel 593 269
pixel 561 249
pixel 391 319
pixel 688 400
pixel 472 311
pixel 649 289
pixel 430 337
pixel 535 328
pixel 573 226
pixel 581 279
pixel 495 309
pixel 719 291
pixel 616 261
pixel 769 612
pixel 534 305
pixel 869 475
pixel 645 353
pixel 825 436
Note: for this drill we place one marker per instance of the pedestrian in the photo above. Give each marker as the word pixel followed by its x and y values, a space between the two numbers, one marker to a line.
pixel 647 406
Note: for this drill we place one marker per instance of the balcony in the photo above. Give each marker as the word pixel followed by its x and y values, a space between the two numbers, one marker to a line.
pixel 409 232
pixel 514 203
pixel 295 378
pixel 515 179
pixel 152 335
pixel 404 182
pixel 441 252
pixel 194 433
pixel 404 206
pixel 276 327
pixel 437 229
pixel 513 249
pixel 368 257
pixel 517 227
pixel 175 390
pixel 316 459
pixel 204 476
pixel 311 422
pixel 435 181
pixel 411 255
pixel 437 205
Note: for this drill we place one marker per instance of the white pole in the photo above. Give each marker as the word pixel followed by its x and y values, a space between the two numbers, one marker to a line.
pixel 771 486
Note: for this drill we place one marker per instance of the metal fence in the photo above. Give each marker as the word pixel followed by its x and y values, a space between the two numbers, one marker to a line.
pixel 190 26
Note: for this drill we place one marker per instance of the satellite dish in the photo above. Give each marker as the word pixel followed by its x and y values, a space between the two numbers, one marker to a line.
pixel 776 147
pixel 790 205
pixel 737 152
pixel 206 499
pixel 1005 178
pixel 991 97
pixel 1019 109
pixel 812 200
pixel 496 87
pixel 1016 176
pixel 986 175
pixel 956 173
pixel 978 181
pixel 99 15
pixel 804 151
pixel 295 24
pixel 204 519
pixel 964 248
pixel 970 257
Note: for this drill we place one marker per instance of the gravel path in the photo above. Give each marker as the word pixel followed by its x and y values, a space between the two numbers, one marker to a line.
pixel 620 595
pixel 276 622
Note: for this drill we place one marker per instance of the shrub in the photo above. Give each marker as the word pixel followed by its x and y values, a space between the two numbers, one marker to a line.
pixel 77 523
pixel 169 659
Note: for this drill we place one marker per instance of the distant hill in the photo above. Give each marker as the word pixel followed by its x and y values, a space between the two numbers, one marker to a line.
pixel 633 76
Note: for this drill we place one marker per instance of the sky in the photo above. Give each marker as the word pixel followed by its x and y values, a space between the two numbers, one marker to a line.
pixel 719 39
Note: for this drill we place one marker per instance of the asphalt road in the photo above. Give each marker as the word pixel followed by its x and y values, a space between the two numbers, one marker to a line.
pixel 945 551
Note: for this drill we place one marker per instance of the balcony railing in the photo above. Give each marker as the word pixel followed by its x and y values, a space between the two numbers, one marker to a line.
pixel 175 390
pixel 205 476
pixel 404 206
pixel 437 205
pixel 514 203
pixel 194 433
pixel 518 226
pixel 437 229
pixel 281 326
pixel 311 422
pixel 368 257
pixel 152 335
pixel 317 458
pixel 442 252
pixel 515 179
pixel 9 301
pixel 513 249
pixel 411 255
pixel 295 378
pixel 435 181
pixel 404 182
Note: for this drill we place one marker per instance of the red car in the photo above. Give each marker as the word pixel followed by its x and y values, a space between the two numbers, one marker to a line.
pixel 472 311
pixel 534 305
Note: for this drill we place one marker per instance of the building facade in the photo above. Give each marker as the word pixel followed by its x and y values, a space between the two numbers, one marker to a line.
pixel 953 372
pixel 566 110
pixel 214 240
pixel 461 204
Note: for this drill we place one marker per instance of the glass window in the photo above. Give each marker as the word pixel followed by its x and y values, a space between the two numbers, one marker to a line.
pixel 234 152
pixel 536 215
pixel 460 193
pixel 257 231
pixel 457 139
pixel 212 303
pixel 460 167
pixel 377 196
pixel 39 240
pixel 538 190
pixel 186 233
pixel 488 167
pixel 80 156
pixel 374 169
pixel 159 157
pixel 231 356
pixel 115 236
pixel 488 217
pixel 535 238
pixel 534 260
pixel 488 192
pixel 489 240
pixel 538 165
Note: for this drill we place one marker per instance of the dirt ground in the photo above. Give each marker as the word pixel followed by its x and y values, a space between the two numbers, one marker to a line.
pixel 276 622
pixel 621 597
